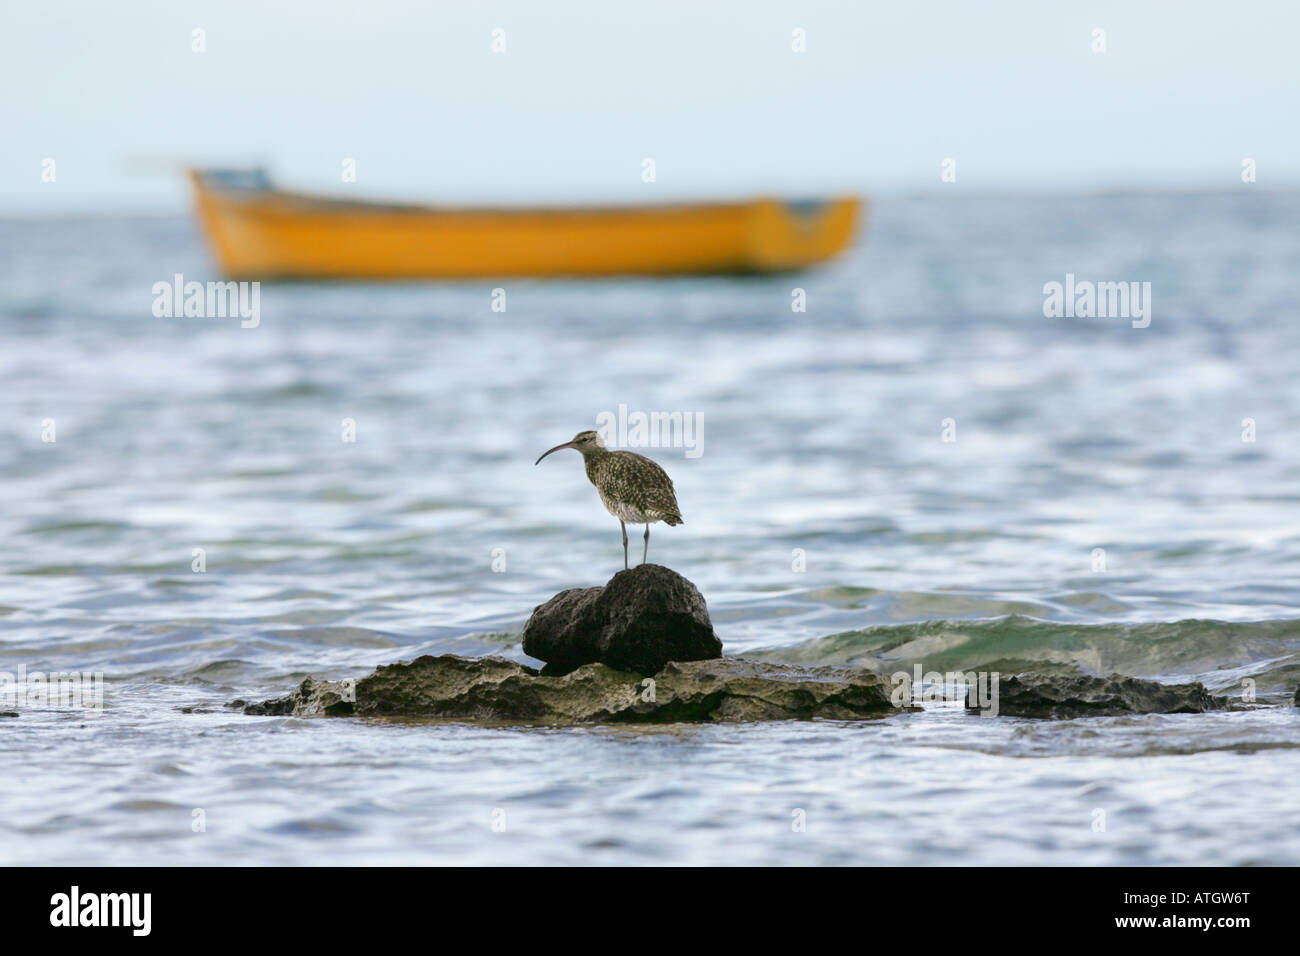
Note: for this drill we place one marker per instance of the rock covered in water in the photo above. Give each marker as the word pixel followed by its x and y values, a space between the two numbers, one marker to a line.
pixel 494 690
pixel 313 698
pixel 642 619
pixel 1060 696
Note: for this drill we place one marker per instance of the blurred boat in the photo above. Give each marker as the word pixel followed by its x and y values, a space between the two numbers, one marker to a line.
pixel 260 232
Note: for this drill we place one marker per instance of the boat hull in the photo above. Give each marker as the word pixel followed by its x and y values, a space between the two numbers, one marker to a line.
pixel 268 234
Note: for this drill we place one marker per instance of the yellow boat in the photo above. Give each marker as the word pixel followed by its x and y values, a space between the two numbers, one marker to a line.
pixel 259 232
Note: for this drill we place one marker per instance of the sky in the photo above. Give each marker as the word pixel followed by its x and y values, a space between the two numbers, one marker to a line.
pixel 584 92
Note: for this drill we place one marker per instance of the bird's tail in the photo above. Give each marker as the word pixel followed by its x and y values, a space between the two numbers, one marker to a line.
pixel 671 520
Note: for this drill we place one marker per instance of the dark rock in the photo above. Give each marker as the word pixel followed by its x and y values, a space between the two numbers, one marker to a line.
pixel 642 619
pixel 494 690
pixel 8 713
pixel 1060 696
pixel 565 631
pixel 655 616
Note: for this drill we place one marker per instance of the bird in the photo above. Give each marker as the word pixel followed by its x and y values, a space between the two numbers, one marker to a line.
pixel 631 487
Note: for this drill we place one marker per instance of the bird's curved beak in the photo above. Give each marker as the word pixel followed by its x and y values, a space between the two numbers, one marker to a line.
pixel 567 444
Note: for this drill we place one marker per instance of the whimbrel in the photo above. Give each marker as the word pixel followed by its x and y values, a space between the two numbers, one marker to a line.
pixel 631 487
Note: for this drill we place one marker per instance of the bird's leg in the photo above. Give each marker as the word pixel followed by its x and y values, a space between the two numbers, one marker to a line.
pixel 647 544
pixel 624 527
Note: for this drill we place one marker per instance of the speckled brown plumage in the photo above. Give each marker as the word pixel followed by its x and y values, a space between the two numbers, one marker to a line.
pixel 631 487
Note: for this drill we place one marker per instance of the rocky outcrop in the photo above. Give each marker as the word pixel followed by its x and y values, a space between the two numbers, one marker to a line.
pixel 642 619
pixel 494 690
pixel 326 698
pixel 1060 696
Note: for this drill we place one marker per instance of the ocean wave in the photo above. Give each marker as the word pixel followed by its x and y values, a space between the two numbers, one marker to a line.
pixel 1221 654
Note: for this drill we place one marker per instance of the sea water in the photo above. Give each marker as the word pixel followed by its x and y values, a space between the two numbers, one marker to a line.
pixel 903 457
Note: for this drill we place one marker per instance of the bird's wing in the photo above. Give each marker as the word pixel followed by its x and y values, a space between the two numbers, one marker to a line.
pixel 648 484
